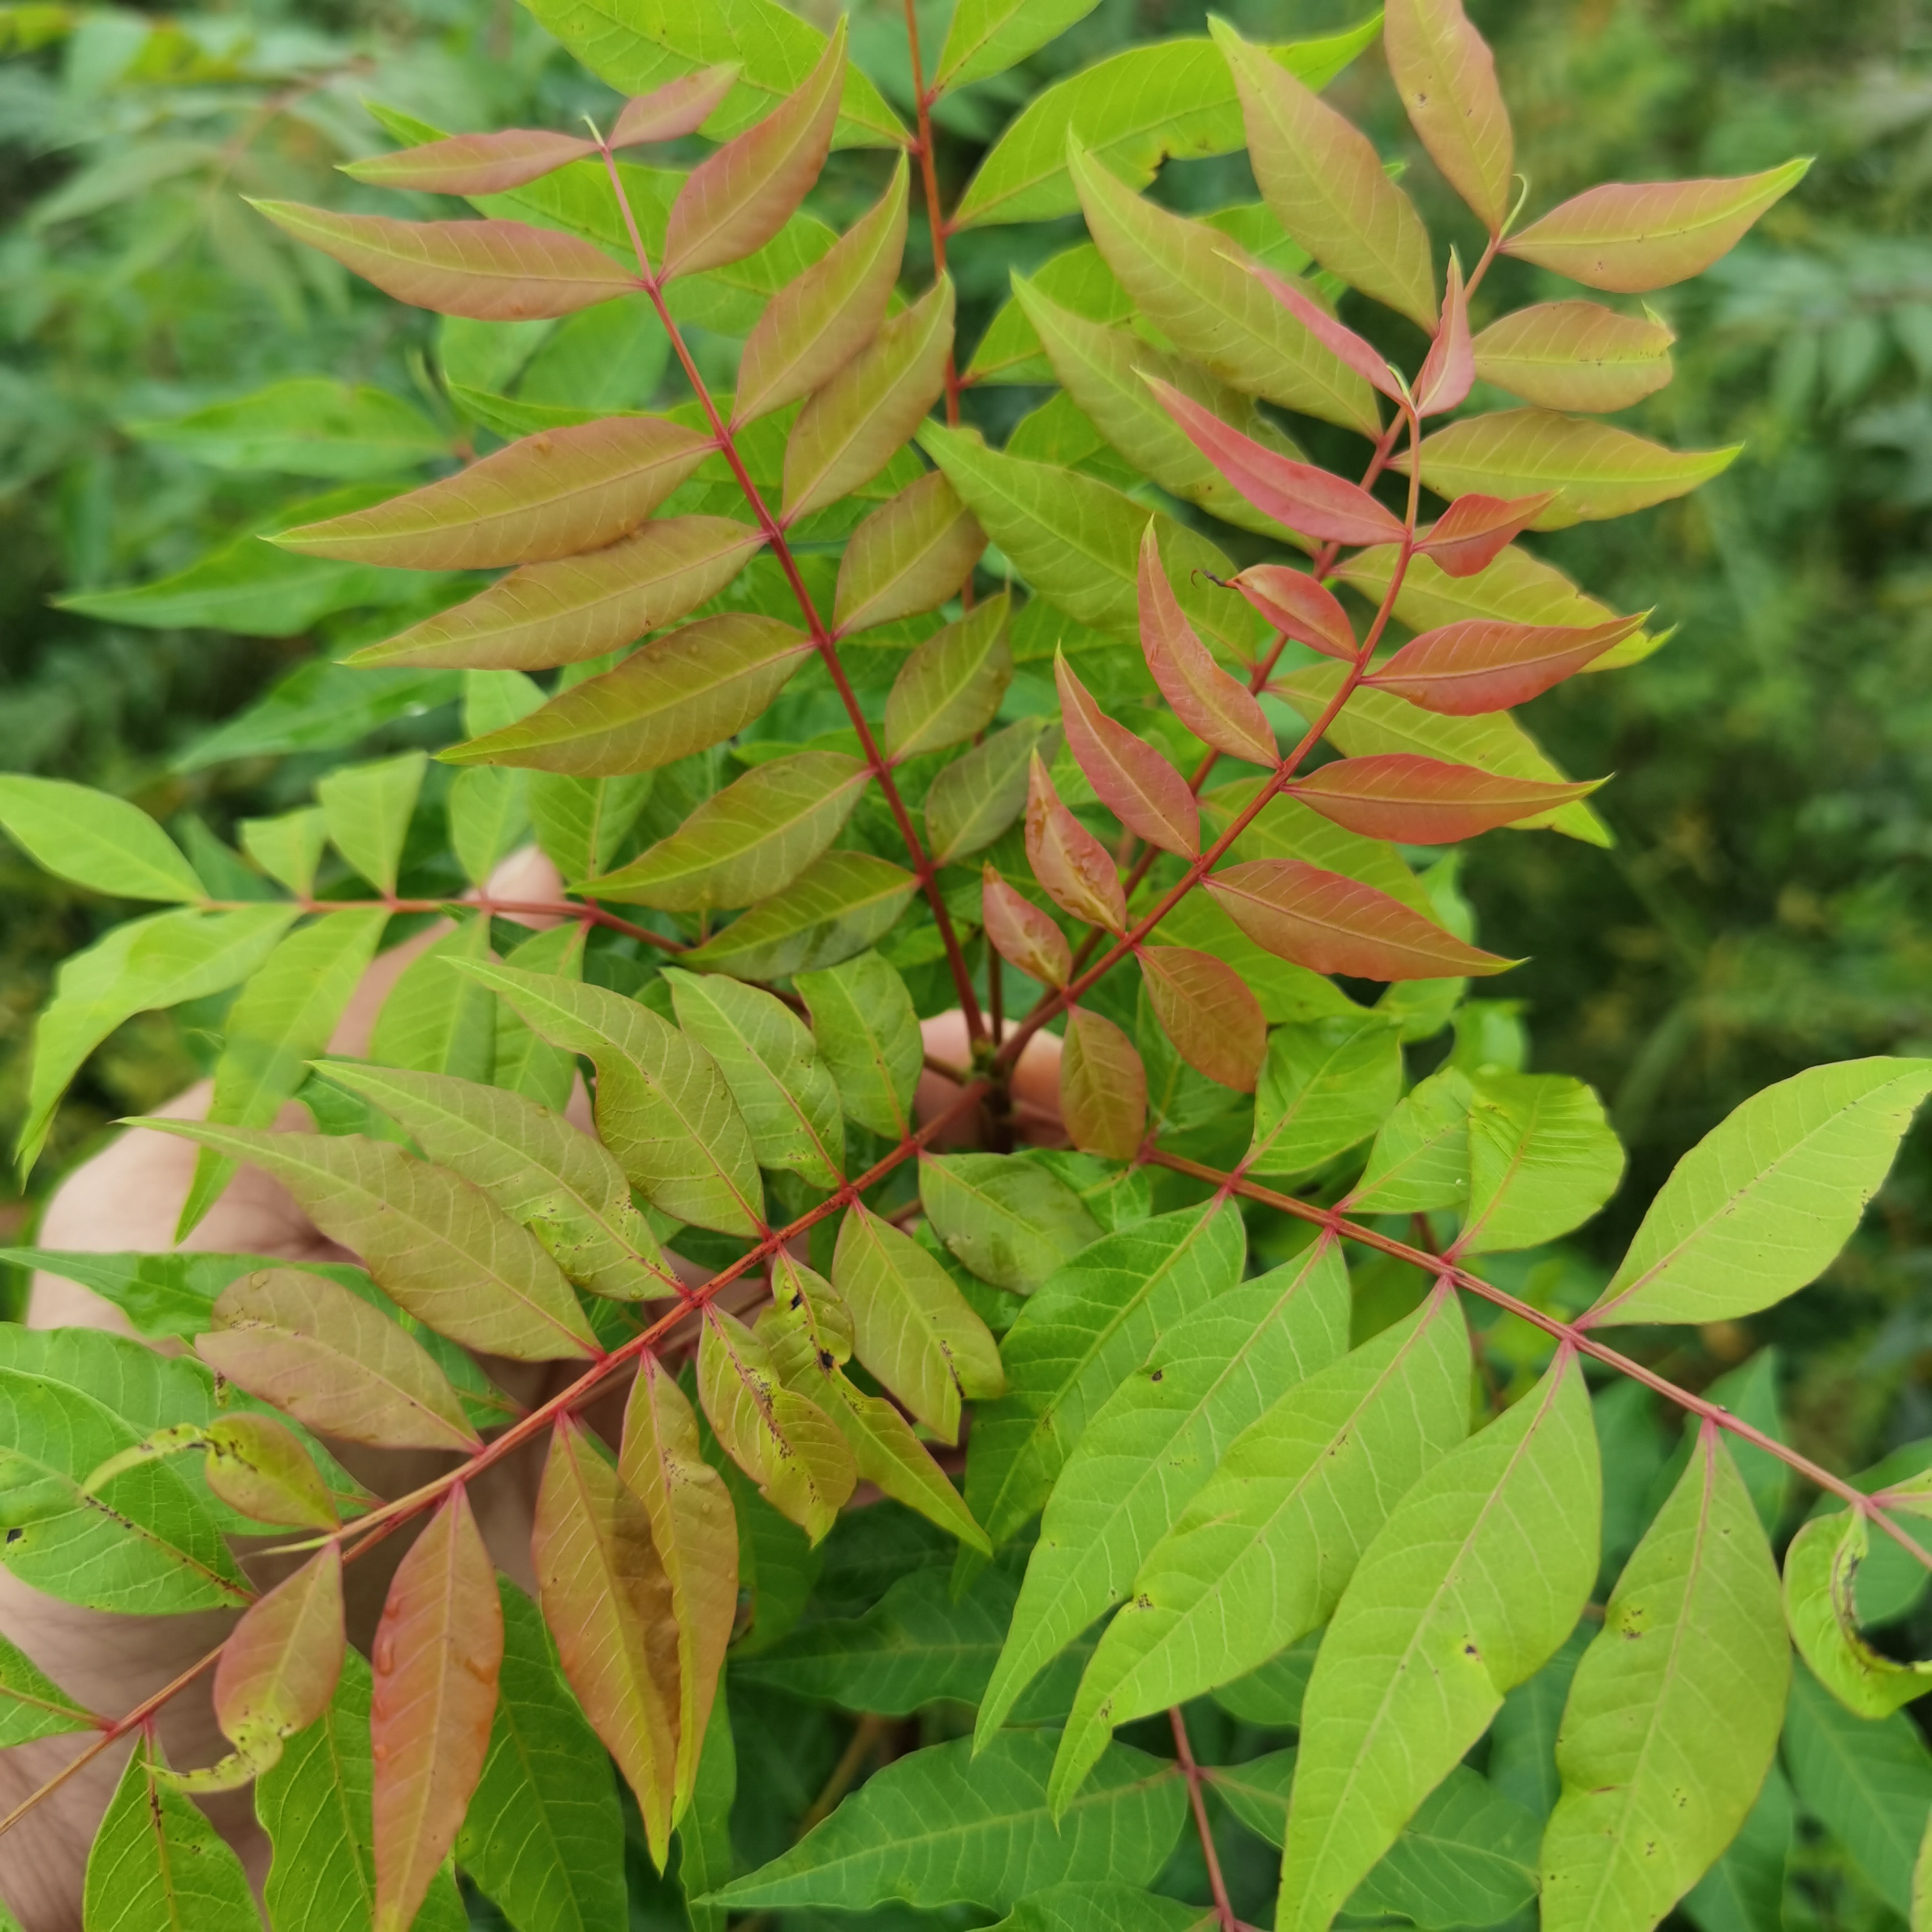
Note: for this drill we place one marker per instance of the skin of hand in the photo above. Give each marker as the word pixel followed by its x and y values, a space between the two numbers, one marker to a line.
pixel 126 1199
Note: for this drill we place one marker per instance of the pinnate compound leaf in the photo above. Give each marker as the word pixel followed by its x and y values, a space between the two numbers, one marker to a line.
pixel 977 796
pixel 1011 1223
pixel 1474 1581
pixel 1447 77
pixel 1760 1206
pixel 578 607
pixel 94 840
pixel 695 1537
pixel 1543 1158
pixel 1469 536
pixel 943 1825
pixel 1576 355
pixel 551 495
pixel 782 1440
pixel 663 1108
pixel 544 1174
pixel 156 1861
pixel 1321 920
pixel 1191 282
pixel 1022 934
pixel 322 1354
pixel 1464 670
pixel 435 1658
pixel 867 1032
pixel 1328 1084
pixel 1296 604
pixel 367 809
pixel 1263 1553
pixel 1078 1338
pixel 279 1665
pixel 1206 1009
pixel 1673 1714
pixel 748 841
pixel 1072 865
pixel 430 1238
pixel 544 1836
pixel 1630 238
pixel 1152 1443
pixel 1821 1569
pixel 1103 1088
pixel 837 906
pixel 672 697
pixel 818 321
pixel 1217 708
pixel 847 432
pixel 490 271
pixel 1133 781
pixel 911 1327
pixel 31 1704
pixel 910 555
pixel 1297 495
pixel 785 1091
pixel 1594 470
pixel 736 200
pixel 1325 184
pixel 949 688
pixel 1416 801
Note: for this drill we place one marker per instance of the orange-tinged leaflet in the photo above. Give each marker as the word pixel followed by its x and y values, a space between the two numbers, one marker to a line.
pixel 1022 934
pixel 488 270
pixel 1361 356
pixel 1218 709
pixel 1300 607
pixel 680 106
pixel 1102 1087
pixel 258 1466
pixel 474 164
pixel 1448 371
pixel 1336 925
pixel 1576 354
pixel 279 1666
pixel 436 1657
pixel 1067 859
pixel 1481 664
pixel 1206 1009
pixel 910 555
pixel 550 495
pixel 1297 495
pixel 1412 800
pixel 1134 782
pixel 1468 536
pixel 734 201
pixel 1447 77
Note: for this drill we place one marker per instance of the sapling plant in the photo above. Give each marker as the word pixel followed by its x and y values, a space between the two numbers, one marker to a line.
pixel 961 1184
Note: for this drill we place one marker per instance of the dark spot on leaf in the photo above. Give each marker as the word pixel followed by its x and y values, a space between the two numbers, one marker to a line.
pixel 14 1535
pixel 825 1360
pixel 1156 1375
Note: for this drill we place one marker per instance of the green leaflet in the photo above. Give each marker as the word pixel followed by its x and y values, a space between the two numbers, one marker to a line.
pixel 1077 542
pixel 868 1033
pixel 432 1240
pixel 146 965
pixel 1270 1695
pixel 663 1108
pixel 288 848
pixel 1327 1084
pixel 579 823
pixel 284 1017
pixel 771 1065
pixel 1522 1740
pixel 1870 1784
pixel 310 426
pixel 1468 1857
pixel 979 795
pixel 145 1544
pixel 942 1826
pixel 1749 1392
pixel 156 1861
pixel 520 1063
pixel 32 1706
pixel 1821 1569
pixel 435 1020
pixel 1674 1711
pixel 1012 1223
pixel 1420 1158
pixel 987 37
pixel 951 685
pixel 366 808
pixel 1079 1337
pixel 1104 1905
pixel 314 1805
pixel 1154 1442
pixel 489 812
pixel 1542 1160
pixel 543 1835
pixel 1744 1892
pixel 704 1853
pixel 839 906
pixel 1476 1578
pixel 1134 108
pixel 918 1645
pixel 1761 1205
pixel 1264 1549
pixel 94 839
pixel 541 1171
pixel 320 706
